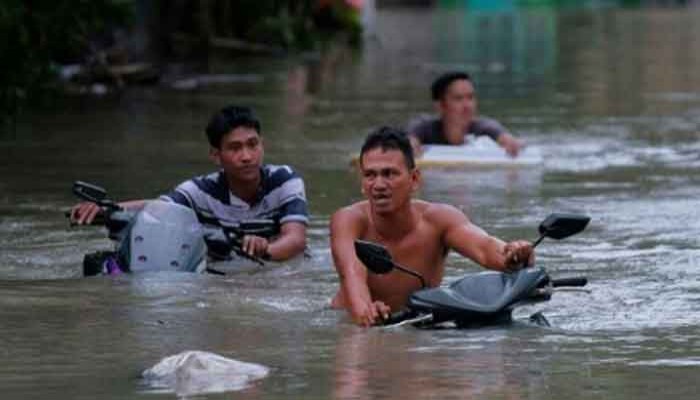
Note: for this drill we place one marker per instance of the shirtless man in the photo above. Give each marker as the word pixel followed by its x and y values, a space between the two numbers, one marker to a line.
pixel 418 234
pixel 455 101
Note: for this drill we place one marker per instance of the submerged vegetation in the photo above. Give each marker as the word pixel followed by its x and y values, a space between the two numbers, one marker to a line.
pixel 41 36
pixel 38 35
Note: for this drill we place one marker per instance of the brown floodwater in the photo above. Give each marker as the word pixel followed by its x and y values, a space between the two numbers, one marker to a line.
pixel 610 95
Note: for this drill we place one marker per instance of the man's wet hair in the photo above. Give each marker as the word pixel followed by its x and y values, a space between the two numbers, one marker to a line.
pixel 228 119
pixel 388 138
pixel 440 85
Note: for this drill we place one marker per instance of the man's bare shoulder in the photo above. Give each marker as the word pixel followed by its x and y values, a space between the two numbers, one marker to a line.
pixel 356 210
pixel 440 214
pixel 355 214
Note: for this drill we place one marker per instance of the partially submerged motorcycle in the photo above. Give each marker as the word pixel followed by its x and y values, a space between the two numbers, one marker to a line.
pixel 164 236
pixel 478 299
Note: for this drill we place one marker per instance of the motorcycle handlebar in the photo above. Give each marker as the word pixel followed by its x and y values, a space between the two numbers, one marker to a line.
pixel 397 317
pixel 99 219
pixel 221 243
pixel 576 281
pixel 262 228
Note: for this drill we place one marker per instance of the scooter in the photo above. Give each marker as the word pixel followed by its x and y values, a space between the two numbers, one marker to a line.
pixel 163 236
pixel 479 299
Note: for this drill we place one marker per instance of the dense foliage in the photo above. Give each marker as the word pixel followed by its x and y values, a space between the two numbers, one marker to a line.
pixel 37 35
pixel 294 23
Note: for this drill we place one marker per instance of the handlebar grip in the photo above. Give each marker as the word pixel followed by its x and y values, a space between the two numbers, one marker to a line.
pixel 398 316
pixel 575 281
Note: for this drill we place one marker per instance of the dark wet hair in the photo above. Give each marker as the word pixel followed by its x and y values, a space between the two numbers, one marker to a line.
pixel 387 138
pixel 440 85
pixel 228 119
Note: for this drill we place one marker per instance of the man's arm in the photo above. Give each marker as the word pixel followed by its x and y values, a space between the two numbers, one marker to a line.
pixel 416 144
pixel 419 129
pixel 346 226
pixel 509 143
pixel 290 242
pixel 473 242
pixel 84 213
pixel 293 216
pixel 496 131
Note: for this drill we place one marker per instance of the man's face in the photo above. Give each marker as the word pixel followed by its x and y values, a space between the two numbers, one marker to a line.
pixel 240 154
pixel 386 180
pixel 458 105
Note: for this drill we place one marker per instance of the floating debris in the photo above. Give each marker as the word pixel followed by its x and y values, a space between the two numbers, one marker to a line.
pixel 196 372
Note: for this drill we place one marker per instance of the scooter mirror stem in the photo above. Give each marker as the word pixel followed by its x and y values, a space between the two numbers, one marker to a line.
pixel 534 244
pixel 412 273
pixel 539 239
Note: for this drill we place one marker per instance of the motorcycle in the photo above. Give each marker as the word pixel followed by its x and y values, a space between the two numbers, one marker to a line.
pixel 164 236
pixel 479 299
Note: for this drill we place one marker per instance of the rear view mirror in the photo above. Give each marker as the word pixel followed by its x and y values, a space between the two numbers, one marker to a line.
pixel 560 225
pixel 375 257
pixel 89 192
pixel 378 260
pixel 94 194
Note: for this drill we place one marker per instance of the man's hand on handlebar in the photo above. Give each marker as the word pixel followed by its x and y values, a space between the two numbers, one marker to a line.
pixel 518 255
pixel 255 246
pixel 371 313
pixel 84 213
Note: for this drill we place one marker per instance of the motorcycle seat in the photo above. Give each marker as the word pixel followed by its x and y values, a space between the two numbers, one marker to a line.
pixel 481 293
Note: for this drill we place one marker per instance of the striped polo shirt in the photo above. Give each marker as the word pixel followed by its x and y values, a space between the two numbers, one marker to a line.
pixel 281 197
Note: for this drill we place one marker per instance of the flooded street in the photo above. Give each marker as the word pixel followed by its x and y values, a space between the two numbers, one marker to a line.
pixel 611 97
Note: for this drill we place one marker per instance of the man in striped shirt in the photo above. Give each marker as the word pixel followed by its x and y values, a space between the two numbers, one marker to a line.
pixel 244 188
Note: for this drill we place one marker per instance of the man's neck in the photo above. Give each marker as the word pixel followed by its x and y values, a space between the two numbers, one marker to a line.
pixel 244 190
pixel 395 226
pixel 453 131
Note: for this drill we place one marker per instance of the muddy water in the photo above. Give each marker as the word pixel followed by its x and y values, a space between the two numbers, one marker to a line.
pixel 610 96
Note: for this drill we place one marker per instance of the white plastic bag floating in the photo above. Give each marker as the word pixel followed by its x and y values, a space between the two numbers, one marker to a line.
pixel 198 372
